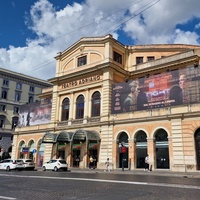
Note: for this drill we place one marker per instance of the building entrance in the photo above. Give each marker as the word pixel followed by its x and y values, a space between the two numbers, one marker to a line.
pixel 94 155
pixel 197 145
pixel 162 149
pixel 76 158
pixel 141 149
pixel 123 155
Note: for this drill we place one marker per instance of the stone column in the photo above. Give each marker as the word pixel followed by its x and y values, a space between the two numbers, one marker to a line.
pixel 132 154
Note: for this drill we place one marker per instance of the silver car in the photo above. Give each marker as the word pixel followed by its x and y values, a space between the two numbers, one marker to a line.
pixel 55 164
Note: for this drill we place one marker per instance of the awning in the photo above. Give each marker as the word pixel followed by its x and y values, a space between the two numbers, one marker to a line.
pixel 93 146
pixel 76 146
pixel 49 138
pixel 61 146
pixel 83 135
pixel 64 136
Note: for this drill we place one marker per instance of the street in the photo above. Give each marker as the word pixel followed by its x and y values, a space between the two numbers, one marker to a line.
pixel 39 185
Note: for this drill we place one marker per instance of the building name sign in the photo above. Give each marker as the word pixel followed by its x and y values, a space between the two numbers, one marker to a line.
pixel 81 81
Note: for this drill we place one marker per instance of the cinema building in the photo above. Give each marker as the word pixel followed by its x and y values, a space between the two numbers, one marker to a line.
pixel 110 100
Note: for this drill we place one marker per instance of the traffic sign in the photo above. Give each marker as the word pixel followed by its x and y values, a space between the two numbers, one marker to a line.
pixel 34 150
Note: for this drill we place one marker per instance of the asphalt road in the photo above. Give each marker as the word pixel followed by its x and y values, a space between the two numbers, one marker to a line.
pixel 38 185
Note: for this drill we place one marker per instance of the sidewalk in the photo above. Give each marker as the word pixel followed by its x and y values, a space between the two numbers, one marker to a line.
pixel 161 172
pixel 157 172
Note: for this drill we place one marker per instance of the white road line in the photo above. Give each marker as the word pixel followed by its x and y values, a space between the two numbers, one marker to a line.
pixel 111 181
pixel 10 198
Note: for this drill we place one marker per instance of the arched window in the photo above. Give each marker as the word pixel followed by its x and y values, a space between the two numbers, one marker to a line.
pixel 65 109
pixel 80 107
pixel 4 94
pixel 96 104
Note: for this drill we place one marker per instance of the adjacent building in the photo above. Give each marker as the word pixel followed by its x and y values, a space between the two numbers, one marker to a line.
pixel 15 89
pixel 120 102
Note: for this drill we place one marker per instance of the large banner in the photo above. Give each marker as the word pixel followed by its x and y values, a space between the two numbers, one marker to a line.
pixel 180 86
pixel 35 113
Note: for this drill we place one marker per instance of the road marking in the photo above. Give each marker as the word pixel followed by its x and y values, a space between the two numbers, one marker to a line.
pixel 110 181
pixel 10 198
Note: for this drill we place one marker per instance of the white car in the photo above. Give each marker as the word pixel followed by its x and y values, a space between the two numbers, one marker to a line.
pixel 27 163
pixel 55 164
pixel 10 164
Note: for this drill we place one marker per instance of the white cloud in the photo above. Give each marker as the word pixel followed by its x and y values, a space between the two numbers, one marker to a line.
pixel 197 26
pixel 56 30
pixel 160 21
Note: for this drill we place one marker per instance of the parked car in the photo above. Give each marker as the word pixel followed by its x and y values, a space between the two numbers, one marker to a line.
pixel 55 164
pixel 28 164
pixel 10 164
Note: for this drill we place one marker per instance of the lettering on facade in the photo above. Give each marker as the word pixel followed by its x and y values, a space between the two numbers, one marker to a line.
pixel 81 81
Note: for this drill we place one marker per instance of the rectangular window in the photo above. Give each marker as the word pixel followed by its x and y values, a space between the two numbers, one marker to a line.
pixel 3 108
pixel 82 61
pixel 139 60
pixel 117 57
pixel 18 86
pixel 16 110
pixel 150 58
pixel 17 96
pixel 5 82
pixel 32 89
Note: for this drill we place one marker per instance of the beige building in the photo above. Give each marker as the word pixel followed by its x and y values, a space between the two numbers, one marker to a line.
pixel 120 102
pixel 16 89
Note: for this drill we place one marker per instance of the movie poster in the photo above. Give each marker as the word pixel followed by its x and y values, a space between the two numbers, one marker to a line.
pixel 172 88
pixel 35 113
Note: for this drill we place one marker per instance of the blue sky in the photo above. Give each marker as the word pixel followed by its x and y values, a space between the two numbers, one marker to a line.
pixel 32 32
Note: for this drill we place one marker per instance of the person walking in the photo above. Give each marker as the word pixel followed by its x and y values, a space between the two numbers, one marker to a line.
pixel 107 163
pixel 147 163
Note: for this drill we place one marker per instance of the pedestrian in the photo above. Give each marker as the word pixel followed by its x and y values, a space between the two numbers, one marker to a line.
pixel 107 163
pixel 147 163
pixel 91 164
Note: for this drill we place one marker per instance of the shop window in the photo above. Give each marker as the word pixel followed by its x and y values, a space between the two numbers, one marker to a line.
pixel 80 107
pixel 96 104
pixel 117 57
pixel 82 61
pixel 65 109
pixel 4 94
pixel 139 60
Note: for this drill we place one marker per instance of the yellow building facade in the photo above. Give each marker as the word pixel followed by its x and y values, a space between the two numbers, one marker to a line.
pixel 91 113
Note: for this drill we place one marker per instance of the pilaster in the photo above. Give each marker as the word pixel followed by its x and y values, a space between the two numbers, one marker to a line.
pixel 106 146
pixel 177 145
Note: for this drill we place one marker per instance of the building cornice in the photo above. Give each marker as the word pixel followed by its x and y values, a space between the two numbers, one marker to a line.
pixel 23 78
